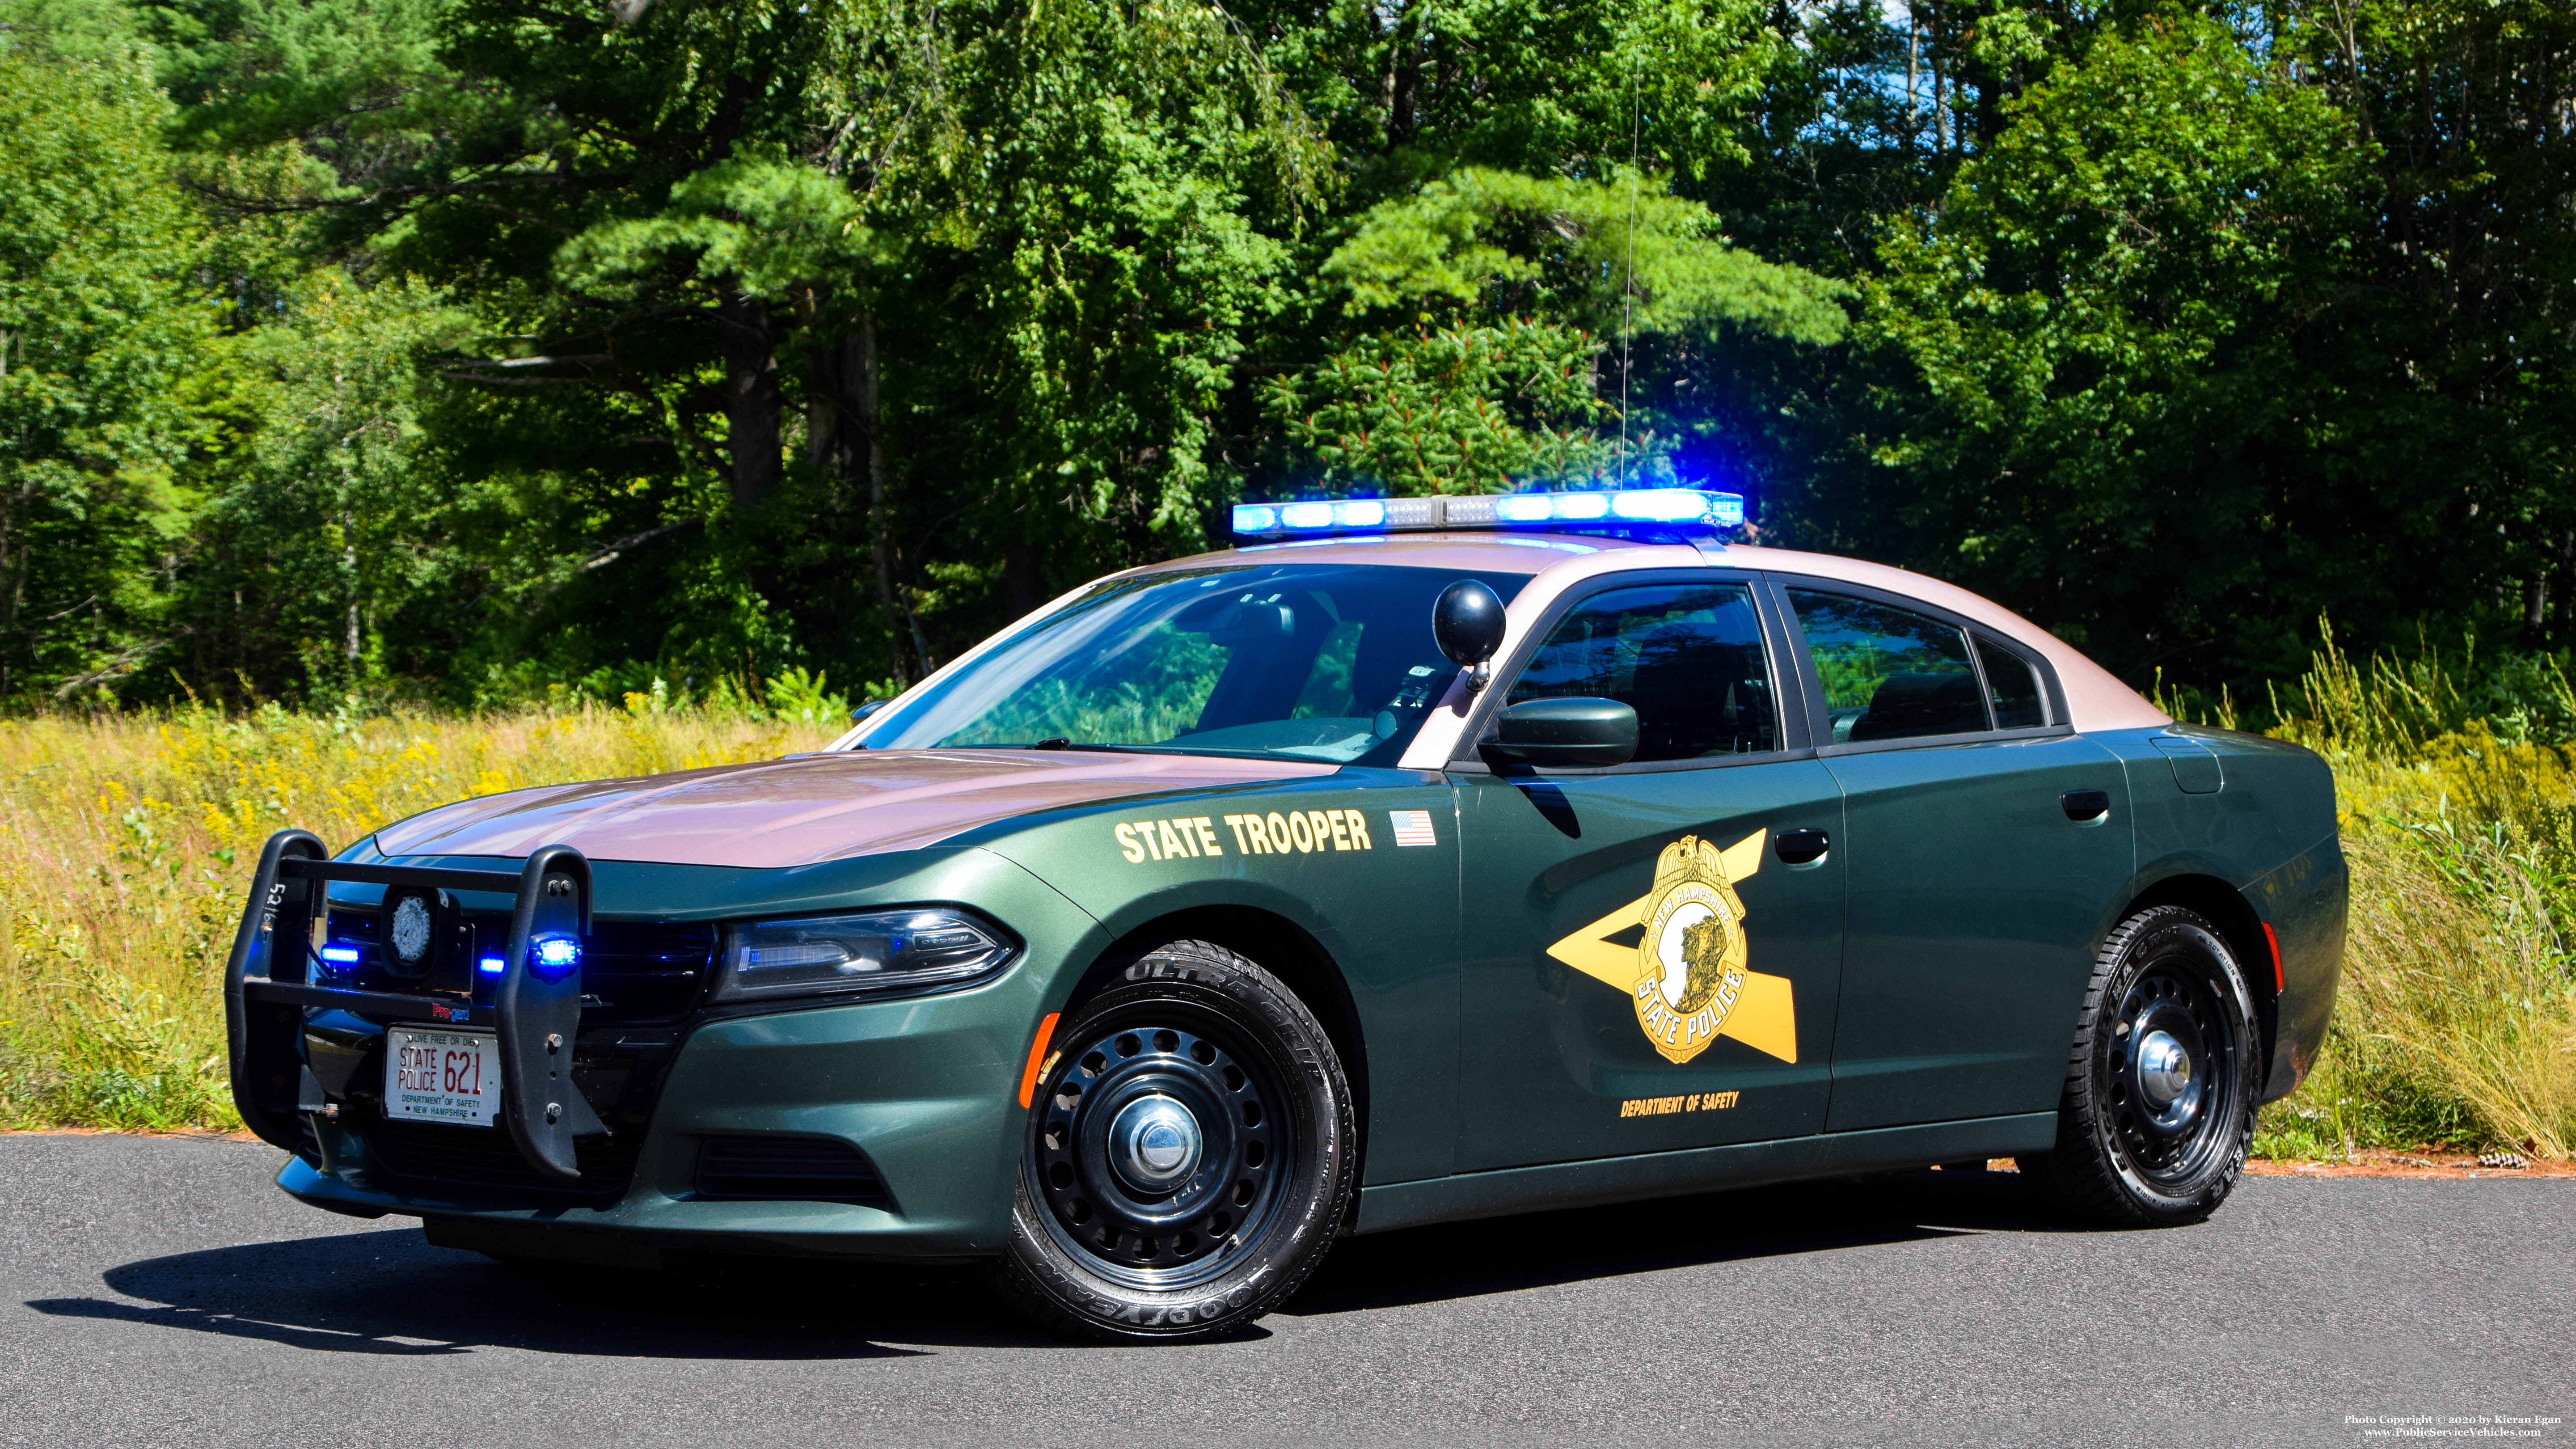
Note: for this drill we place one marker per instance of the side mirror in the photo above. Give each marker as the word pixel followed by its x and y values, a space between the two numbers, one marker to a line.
pixel 1594 732
pixel 1468 624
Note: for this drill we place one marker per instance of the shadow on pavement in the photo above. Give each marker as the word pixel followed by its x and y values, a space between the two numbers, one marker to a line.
pixel 391 1293
pixel 1536 1250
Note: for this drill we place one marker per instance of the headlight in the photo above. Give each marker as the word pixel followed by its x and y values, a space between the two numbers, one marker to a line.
pixel 869 951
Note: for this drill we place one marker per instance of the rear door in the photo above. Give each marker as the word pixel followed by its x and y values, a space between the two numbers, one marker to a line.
pixel 1643 971
pixel 1985 844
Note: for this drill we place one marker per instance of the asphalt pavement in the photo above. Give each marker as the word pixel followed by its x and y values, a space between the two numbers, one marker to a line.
pixel 161 1292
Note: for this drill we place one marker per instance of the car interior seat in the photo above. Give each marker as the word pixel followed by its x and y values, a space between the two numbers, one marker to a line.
pixel 1906 705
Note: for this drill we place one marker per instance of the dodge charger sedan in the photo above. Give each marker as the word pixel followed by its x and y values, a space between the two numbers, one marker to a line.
pixel 1413 861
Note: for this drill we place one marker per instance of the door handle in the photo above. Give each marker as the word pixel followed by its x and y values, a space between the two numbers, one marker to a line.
pixel 2085 805
pixel 1800 847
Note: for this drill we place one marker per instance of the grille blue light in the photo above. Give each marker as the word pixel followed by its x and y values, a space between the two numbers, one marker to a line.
pixel 552 956
pixel 344 955
pixel 491 965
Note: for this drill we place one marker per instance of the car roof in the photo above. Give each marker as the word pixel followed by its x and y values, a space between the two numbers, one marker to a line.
pixel 2095 698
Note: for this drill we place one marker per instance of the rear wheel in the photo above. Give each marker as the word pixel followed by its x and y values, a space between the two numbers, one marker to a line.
pixel 2158 1111
pixel 1188 1153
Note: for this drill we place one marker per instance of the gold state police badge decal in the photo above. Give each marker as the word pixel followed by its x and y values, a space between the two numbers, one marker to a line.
pixel 1687 975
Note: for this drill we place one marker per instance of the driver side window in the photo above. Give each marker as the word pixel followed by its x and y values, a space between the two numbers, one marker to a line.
pixel 1687 657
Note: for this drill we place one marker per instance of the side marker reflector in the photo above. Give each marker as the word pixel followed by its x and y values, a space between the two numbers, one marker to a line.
pixel 1037 1057
pixel 2279 985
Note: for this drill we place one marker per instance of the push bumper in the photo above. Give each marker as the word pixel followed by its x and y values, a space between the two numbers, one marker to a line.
pixel 920 1086
pixel 535 1011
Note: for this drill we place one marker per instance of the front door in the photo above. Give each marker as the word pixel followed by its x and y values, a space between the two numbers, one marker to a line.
pixel 1644 971
pixel 1980 870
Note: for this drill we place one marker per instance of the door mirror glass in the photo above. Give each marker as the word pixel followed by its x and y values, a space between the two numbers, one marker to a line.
pixel 1686 659
pixel 1563 732
pixel 1889 673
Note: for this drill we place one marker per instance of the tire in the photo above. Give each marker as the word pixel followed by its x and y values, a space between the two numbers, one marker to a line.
pixel 1189 1154
pixel 2158 1111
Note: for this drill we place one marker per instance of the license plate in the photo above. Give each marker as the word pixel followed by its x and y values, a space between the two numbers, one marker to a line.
pixel 442 1076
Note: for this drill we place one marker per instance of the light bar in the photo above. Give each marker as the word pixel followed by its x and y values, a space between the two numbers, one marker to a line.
pixel 1674 509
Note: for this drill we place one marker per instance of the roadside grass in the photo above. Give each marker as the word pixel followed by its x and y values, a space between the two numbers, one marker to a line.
pixel 126 842
pixel 2455 1022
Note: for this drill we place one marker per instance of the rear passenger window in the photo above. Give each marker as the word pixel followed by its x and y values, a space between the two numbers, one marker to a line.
pixel 1889 673
pixel 1687 657
pixel 2012 687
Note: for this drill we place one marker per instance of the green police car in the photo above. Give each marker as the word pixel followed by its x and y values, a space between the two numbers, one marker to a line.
pixel 1416 860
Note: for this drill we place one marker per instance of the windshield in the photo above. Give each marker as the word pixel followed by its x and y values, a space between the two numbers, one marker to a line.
pixel 1300 661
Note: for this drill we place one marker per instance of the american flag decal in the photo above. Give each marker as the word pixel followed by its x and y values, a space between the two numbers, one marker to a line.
pixel 1412 827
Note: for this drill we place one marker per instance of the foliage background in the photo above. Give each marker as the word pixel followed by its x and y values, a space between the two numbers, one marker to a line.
pixel 415 397
pixel 499 352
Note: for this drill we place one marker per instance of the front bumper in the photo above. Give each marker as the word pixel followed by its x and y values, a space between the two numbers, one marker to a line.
pixel 923 1087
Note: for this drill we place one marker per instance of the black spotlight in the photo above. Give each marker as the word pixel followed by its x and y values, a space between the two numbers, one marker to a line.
pixel 411 933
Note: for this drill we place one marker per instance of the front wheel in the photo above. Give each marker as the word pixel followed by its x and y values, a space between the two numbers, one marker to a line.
pixel 1188 1154
pixel 2158 1111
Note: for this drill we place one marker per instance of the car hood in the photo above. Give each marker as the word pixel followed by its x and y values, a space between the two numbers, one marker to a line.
pixel 809 808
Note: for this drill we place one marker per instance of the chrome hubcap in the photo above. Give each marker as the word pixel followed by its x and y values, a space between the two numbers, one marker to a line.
pixel 1155 1143
pixel 2171 1073
pixel 2164 1069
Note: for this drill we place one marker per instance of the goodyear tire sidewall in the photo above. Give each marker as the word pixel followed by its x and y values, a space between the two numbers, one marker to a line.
pixel 2154 946
pixel 1301 1059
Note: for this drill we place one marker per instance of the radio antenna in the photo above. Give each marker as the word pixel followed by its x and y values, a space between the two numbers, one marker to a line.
pixel 1628 286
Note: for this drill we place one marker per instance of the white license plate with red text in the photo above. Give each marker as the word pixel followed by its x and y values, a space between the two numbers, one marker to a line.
pixel 442 1076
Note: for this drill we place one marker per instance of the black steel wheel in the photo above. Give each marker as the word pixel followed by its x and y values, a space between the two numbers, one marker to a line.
pixel 2158 1110
pixel 1188 1153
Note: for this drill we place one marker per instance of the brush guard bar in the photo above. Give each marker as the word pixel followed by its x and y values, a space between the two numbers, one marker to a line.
pixel 268 985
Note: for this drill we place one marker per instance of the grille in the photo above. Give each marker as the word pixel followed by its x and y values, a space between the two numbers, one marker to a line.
pixel 645 970
pixel 807 1169
pixel 486 1157
pixel 631 971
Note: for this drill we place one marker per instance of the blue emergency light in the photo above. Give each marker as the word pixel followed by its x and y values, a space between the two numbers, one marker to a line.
pixel 342 955
pixel 1653 510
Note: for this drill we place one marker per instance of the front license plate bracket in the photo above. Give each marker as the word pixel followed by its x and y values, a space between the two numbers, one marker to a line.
pixel 438 1074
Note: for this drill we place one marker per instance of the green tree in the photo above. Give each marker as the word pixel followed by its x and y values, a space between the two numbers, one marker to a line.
pixel 329 524
pixel 98 328
pixel 2111 403
pixel 2456 337
pixel 1453 406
